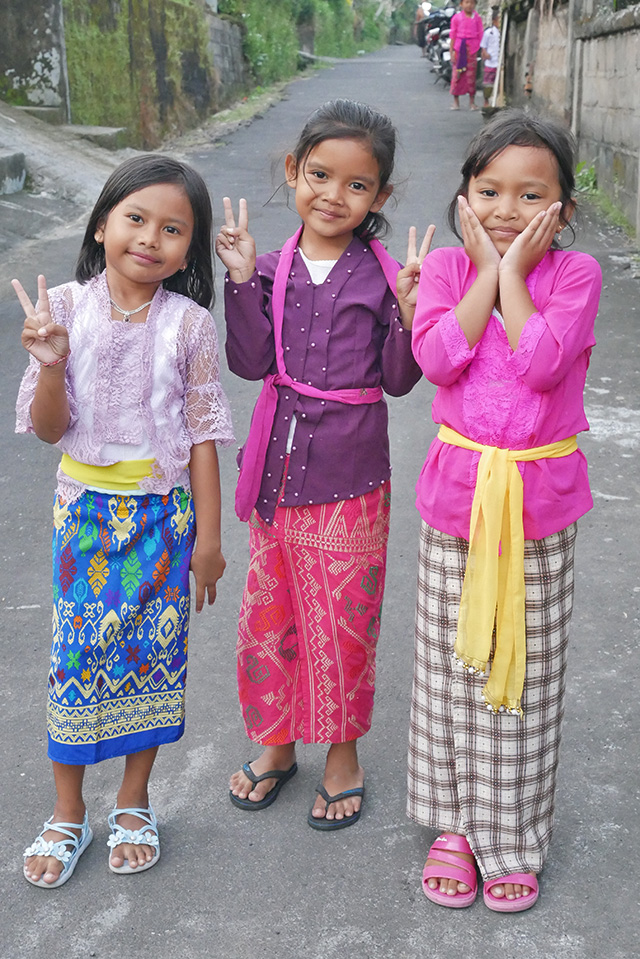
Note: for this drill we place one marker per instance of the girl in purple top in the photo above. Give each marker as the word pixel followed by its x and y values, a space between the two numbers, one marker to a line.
pixel 123 378
pixel 321 324
pixel 504 328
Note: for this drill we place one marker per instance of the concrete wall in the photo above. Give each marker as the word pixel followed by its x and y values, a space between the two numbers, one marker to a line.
pixel 606 110
pixel 225 48
pixel 32 54
pixel 584 65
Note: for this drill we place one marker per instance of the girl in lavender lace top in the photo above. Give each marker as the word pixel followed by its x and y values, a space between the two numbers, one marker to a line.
pixel 123 378
pixel 504 328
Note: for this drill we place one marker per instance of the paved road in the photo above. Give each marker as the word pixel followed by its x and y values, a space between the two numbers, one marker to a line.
pixel 234 885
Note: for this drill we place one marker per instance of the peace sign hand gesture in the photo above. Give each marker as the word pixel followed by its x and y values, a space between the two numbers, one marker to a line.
pixel 234 244
pixel 409 276
pixel 47 341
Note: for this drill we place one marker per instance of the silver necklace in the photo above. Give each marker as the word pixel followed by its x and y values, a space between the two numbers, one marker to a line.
pixel 127 314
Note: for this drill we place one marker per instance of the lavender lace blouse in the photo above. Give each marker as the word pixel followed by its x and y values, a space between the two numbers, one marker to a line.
pixel 150 387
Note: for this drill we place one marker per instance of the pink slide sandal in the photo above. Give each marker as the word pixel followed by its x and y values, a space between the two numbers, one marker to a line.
pixel 450 866
pixel 511 905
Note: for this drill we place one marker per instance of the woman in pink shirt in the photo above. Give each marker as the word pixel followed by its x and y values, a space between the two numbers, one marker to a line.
pixel 504 328
pixel 465 37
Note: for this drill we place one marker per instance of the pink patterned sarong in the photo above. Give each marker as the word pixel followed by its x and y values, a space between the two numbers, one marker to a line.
pixel 310 620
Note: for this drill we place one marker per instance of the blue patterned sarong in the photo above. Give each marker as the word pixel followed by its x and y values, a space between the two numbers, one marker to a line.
pixel 120 624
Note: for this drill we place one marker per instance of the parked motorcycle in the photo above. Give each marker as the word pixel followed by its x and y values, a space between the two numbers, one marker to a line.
pixel 442 65
pixel 437 21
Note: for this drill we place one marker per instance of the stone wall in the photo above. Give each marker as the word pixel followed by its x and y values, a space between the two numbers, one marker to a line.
pixel 537 48
pixel 584 62
pixel 225 48
pixel 607 106
pixel 32 54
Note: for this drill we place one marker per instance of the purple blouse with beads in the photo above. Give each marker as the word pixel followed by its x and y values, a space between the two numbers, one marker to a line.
pixel 342 334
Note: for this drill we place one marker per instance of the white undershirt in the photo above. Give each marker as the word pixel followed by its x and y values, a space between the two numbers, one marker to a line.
pixel 319 270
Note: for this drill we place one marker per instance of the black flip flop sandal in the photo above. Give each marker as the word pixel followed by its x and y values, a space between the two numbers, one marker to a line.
pixel 326 825
pixel 282 775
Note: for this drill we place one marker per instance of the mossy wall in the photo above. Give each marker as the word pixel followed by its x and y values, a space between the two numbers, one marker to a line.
pixel 32 67
pixel 148 65
pixel 141 64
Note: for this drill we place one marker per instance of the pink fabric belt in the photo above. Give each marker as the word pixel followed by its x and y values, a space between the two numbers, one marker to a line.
pixel 255 449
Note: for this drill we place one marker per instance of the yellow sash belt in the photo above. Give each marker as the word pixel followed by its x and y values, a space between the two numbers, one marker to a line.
pixel 493 591
pixel 125 475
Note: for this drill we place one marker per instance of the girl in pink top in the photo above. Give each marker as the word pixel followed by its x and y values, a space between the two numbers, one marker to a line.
pixel 504 328
pixel 123 378
pixel 465 37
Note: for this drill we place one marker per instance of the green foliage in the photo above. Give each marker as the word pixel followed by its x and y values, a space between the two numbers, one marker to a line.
pixel 340 28
pixel 17 96
pixel 270 36
pixel 586 180
pixel 371 30
pixel 333 29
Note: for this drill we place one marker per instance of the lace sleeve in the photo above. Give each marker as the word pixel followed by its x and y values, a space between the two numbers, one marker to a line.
pixel 207 412
pixel 61 303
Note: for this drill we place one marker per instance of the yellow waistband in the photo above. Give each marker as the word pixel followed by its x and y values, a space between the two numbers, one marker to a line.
pixel 493 592
pixel 550 451
pixel 119 476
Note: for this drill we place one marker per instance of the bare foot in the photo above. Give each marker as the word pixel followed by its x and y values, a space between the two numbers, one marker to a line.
pixel 511 890
pixel 273 757
pixel 449 887
pixel 342 772
pixel 48 868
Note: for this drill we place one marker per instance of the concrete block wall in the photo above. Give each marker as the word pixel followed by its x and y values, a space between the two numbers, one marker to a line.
pixel 225 47
pixel 586 64
pixel 550 75
pixel 608 116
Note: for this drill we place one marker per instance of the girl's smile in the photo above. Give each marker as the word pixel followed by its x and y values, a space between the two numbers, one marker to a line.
pixel 337 184
pixel 515 186
pixel 146 239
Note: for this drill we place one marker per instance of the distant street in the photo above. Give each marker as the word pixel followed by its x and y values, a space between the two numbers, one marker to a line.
pixel 238 886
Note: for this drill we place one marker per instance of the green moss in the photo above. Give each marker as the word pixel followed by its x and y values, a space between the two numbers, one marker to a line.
pixel 16 96
pixel 142 65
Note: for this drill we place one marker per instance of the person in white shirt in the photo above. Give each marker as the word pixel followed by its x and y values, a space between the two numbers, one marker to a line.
pixel 490 53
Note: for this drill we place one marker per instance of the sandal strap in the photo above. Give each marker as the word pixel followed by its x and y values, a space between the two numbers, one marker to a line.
pixel 358 791
pixel 137 837
pixel 451 840
pixel 449 866
pixel 57 848
pixel 271 774
pixel 516 878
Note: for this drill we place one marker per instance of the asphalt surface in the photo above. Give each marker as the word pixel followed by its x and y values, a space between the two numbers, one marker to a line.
pixel 236 885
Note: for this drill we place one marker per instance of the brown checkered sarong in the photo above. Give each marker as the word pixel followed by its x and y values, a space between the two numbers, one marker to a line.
pixel 488 776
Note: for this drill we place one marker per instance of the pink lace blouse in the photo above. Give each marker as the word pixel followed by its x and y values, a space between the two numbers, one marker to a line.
pixel 513 399
pixel 151 386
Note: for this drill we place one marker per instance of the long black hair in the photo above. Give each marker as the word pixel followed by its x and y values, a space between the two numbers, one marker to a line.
pixel 517 128
pixel 196 281
pixel 350 120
